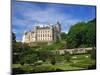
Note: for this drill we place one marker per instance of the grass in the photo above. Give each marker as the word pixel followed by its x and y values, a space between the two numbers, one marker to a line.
pixel 66 66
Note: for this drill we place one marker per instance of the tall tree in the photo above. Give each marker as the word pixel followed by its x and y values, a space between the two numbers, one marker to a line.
pixel 13 37
pixel 82 35
pixel 63 36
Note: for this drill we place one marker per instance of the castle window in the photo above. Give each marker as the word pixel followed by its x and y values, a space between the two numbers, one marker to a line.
pixel 45 35
pixel 48 35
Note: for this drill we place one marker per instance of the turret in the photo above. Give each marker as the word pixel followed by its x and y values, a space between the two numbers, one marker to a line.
pixel 58 27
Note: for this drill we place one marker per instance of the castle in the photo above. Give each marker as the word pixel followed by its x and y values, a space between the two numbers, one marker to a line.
pixel 44 33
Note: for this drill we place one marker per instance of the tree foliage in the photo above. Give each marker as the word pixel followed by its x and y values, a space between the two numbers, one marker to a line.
pixel 44 55
pixel 13 38
pixel 63 36
pixel 82 35
pixel 30 57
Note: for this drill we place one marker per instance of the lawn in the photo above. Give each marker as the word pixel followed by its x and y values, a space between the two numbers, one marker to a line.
pixel 67 67
pixel 77 62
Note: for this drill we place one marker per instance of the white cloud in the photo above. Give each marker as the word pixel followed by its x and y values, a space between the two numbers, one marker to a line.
pixel 34 14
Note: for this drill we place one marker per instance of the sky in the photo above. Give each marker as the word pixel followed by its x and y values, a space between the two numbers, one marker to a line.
pixel 25 15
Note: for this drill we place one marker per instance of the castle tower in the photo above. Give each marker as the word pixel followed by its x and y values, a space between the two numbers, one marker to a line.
pixel 58 30
pixel 58 26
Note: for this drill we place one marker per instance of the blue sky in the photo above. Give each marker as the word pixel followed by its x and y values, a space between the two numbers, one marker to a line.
pixel 26 14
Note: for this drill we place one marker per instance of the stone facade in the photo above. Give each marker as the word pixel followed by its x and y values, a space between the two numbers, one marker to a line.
pixel 48 33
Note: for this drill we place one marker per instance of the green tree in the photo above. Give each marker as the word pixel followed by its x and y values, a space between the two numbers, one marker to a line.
pixel 28 55
pixel 63 36
pixel 91 33
pixel 76 35
pixel 44 54
pixel 82 35
pixel 13 37
pixel 16 49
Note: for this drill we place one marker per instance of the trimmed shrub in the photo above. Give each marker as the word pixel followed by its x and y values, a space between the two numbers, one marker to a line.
pixel 53 61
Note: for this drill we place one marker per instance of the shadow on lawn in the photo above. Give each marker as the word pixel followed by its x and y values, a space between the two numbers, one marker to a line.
pixel 37 70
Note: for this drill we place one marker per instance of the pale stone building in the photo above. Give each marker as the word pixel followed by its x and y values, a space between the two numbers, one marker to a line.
pixel 48 33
